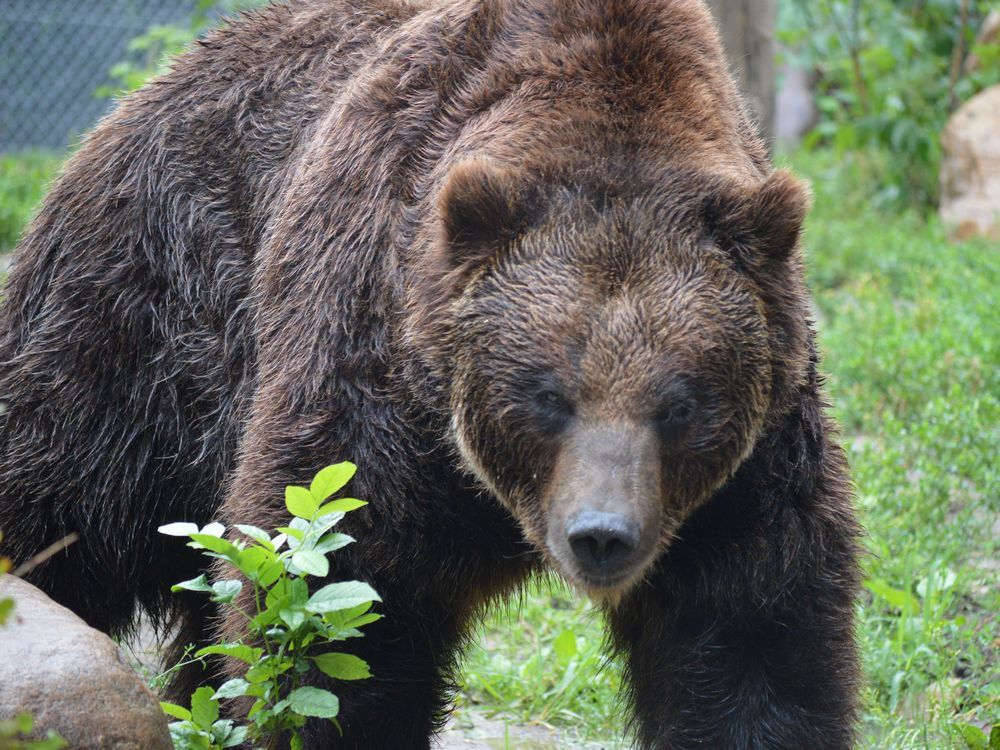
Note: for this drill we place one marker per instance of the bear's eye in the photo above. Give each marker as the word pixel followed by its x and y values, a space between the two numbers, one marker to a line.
pixel 553 409
pixel 672 419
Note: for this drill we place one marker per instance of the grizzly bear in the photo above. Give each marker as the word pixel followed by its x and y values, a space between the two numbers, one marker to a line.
pixel 527 263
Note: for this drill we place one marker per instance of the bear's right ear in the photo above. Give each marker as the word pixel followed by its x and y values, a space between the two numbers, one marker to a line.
pixel 482 207
pixel 762 224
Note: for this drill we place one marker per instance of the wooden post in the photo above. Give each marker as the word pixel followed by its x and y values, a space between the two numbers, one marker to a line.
pixel 748 32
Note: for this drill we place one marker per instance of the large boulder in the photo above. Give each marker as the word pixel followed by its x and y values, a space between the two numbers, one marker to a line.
pixel 970 167
pixel 72 678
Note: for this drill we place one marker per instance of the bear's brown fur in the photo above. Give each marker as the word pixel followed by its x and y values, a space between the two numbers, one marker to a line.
pixel 526 262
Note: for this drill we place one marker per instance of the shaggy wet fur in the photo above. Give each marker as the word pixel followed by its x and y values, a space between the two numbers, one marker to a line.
pixel 294 248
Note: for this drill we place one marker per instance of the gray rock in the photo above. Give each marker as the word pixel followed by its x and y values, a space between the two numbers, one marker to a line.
pixel 970 167
pixel 72 678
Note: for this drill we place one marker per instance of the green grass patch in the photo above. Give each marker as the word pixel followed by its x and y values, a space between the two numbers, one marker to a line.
pixel 23 180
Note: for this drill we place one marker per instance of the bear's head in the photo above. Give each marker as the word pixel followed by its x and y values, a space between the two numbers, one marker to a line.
pixel 609 357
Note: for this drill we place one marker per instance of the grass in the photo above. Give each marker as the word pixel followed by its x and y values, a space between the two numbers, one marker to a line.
pixel 909 333
pixel 23 180
pixel 908 329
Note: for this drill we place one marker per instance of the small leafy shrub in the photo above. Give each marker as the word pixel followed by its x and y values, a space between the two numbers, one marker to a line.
pixel 288 629
pixel 149 54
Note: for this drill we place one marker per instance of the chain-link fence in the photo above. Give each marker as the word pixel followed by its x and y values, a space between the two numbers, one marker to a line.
pixel 56 54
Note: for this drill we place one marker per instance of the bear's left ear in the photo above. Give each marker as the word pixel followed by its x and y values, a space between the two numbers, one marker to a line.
pixel 766 221
pixel 482 207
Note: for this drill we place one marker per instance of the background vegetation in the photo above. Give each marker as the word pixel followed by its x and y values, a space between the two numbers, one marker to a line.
pixel 908 330
pixel 888 74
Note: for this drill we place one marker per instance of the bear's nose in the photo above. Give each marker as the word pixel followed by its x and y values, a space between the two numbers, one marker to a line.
pixel 602 542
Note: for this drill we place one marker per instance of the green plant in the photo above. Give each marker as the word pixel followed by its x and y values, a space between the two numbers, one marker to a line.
pixel 14 735
pixel 151 53
pixel 23 180
pixel 890 72
pixel 288 629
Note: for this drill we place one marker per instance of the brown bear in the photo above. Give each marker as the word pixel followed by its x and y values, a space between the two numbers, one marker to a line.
pixel 527 263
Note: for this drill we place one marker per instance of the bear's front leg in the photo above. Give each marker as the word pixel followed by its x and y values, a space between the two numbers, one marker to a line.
pixel 429 598
pixel 431 546
pixel 740 652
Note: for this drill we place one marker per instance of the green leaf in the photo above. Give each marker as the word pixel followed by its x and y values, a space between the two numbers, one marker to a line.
pixel 974 737
pixel 178 712
pixel 204 708
pixel 349 614
pixel 298 592
pixel 904 601
pixel 226 591
pixel 323 523
pixel 296 742
pixel 337 596
pixel 233 688
pixel 236 737
pixel 195 584
pixel 180 528
pixel 257 534
pixel 331 479
pixel 300 502
pixel 565 646
pixel 259 564
pixel 294 536
pixel 343 505
pixel 995 737
pixel 215 544
pixel 258 707
pixel 259 673
pixel 310 701
pixel 332 542
pixel 247 654
pixel 342 666
pixel 363 620
pixel 311 562
pixel 292 617
pixel 215 529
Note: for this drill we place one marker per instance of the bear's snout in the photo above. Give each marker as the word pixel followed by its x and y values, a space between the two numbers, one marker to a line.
pixel 605 507
pixel 602 542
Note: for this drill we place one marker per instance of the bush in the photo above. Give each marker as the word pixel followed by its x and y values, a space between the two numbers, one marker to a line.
pixel 289 630
pixel 23 181
pixel 890 74
pixel 150 54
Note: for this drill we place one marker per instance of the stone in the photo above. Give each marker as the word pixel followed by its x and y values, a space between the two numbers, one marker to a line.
pixel 72 678
pixel 970 167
